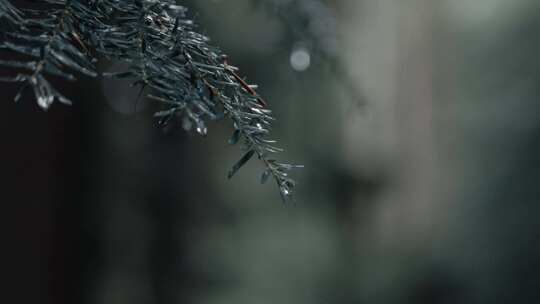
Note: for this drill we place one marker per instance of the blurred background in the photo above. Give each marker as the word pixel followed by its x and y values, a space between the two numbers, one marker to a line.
pixel 418 123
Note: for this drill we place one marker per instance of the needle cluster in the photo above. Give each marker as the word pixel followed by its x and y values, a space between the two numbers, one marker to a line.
pixel 168 61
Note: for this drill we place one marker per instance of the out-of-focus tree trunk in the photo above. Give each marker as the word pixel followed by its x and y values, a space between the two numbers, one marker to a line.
pixel 414 127
pixel 394 64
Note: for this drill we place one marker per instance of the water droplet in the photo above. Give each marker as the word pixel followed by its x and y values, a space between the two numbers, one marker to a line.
pixel 300 59
pixel 202 129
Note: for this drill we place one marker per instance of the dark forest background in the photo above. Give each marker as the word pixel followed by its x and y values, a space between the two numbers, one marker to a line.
pixel 419 126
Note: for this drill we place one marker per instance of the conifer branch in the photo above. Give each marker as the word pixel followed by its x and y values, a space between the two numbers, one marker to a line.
pixel 10 13
pixel 45 41
pixel 168 60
